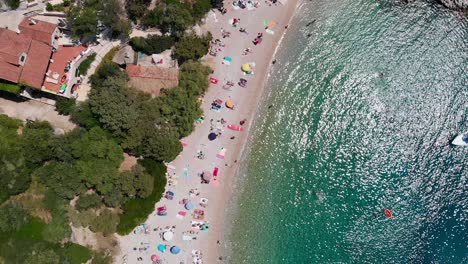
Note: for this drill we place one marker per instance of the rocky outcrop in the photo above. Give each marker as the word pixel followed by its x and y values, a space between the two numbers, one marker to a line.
pixel 455 4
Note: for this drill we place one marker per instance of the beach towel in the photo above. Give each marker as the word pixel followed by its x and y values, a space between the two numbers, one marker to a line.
pixel 172 167
pixel 187 238
pixel 269 31
pixel 186 173
pixel 181 214
pixel 182 141
pixel 222 153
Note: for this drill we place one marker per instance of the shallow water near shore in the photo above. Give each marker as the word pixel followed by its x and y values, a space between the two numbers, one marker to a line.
pixel 357 118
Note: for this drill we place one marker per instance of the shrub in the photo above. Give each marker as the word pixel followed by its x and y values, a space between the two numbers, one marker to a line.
pixel 10 87
pixel 135 211
pixel 13 4
pixel 87 201
pixel 66 3
pixel 83 116
pixel 65 106
pixel 86 64
pixel 49 7
pixel 76 254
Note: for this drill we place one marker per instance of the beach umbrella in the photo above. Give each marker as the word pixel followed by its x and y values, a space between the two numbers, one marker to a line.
pixel 162 247
pixel 246 67
pixel 229 104
pixel 175 250
pixel 168 235
pixel 207 176
pixel 189 206
pixel 212 136
pixel 154 258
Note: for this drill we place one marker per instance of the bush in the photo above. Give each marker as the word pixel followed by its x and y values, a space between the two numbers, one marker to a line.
pixel 66 3
pixel 153 44
pixel 49 7
pixel 76 254
pixel 84 66
pixel 10 87
pixel 13 4
pixel 135 211
pixel 87 201
pixel 83 116
pixel 65 106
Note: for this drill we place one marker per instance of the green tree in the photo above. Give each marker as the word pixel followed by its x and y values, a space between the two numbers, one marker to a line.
pixel 106 222
pixel 136 182
pixel 110 16
pixel 12 217
pixel 136 8
pixel 57 230
pixel 62 179
pixel 176 20
pixel 87 201
pixel 43 257
pixel 192 47
pixel 153 44
pixel 83 22
pixel 14 174
pixel 83 116
pixel 37 137
pixel 115 105
pixel 200 8
pixel 64 106
pixel 13 4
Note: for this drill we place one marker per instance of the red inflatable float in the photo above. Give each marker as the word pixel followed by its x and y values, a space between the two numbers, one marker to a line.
pixel 388 213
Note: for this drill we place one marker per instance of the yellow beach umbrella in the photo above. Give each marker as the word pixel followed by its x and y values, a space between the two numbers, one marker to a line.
pixel 246 67
pixel 229 104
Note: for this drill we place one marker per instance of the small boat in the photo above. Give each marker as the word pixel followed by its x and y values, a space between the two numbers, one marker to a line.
pixel 388 213
pixel 461 140
pixel 235 127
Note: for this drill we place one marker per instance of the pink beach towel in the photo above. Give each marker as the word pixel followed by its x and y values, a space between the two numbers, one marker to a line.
pixel 181 214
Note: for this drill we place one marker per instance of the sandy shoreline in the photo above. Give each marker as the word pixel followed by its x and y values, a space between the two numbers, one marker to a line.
pixel 185 168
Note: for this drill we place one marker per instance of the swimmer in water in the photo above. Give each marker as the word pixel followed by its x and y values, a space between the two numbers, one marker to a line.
pixel 310 23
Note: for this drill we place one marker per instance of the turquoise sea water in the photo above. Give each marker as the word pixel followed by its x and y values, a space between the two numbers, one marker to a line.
pixel 358 118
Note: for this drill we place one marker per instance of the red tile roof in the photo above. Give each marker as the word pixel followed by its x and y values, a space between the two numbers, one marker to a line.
pixel 36 64
pixel 38 30
pixel 152 72
pixel 12 45
pixel 60 59
pixel 9 72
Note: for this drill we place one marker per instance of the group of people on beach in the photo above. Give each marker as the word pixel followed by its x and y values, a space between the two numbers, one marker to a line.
pixel 197 212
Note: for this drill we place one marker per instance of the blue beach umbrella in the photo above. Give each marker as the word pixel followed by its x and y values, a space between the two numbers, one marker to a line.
pixel 189 206
pixel 162 247
pixel 212 136
pixel 175 250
